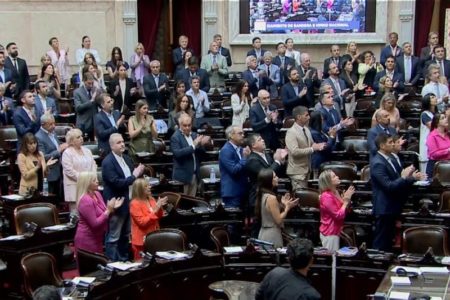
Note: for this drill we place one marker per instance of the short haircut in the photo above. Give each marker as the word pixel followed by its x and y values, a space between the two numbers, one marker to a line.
pixel 431 68
pixel 217 36
pixel 50 41
pixel 252 139
pixel 46 292
pixel 393 33
pixel 193 61
pixel 184 116
pixel 230 130
pixel 47 118
pixel 248 59
pixel 22 95
pixel 378 114
pixel 10 44
pixel 71 135
pixel 195 77
pixel 300 252
pixel 267 54
pixel 100 99
pixel 113 137
pixel 255 39
pixel 406 43
pixel 88 76
pixel 37 84
pixel 299 110
pixel 280 43
pixel 381 139
pixel 438 47
pixel 390 56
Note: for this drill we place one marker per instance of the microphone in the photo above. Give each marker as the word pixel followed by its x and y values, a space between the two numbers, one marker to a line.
pixel 146 255
pixel 260 242
pixel 105 268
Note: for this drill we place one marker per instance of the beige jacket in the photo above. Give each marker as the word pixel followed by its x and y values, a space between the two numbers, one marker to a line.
pixel 300 150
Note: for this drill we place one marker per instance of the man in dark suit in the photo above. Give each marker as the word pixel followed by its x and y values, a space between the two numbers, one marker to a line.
pixel 392 49
pixel 19 69
pixel 285 63
pixel 340 91
pixel 85 106
pixel 332 117
pixel 118 176
pixel 309 76
pixel 293 93
pixel 156 86
pixel 389 188
pixel 382 118
pixel 264 120
pixel 51 147
pixel 24 118
pixel 187 148
pixel 225 52
pixel 408 65
pixel 396 77
pixel 440 60
pixel 106 122
pixel 43 104
pixel 257 51
pixel 255 78
pixel 123 90
pixel 256 161
pixel 6 76
pixel 232 160
pixel 427 53
pixel 334 58
pixel 194 70
pixel 177 53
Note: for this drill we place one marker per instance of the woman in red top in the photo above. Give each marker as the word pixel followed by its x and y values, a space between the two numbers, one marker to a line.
pixel 145 213
pixel 332 209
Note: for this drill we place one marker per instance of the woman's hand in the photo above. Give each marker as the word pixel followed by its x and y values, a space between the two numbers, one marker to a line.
pixel 161 202
pixel 110 206
pixel 347 195
pixel 51 161
pixel 288 201
pixel 118 202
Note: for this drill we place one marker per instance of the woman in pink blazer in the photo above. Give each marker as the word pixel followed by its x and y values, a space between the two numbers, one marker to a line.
pixel 438 142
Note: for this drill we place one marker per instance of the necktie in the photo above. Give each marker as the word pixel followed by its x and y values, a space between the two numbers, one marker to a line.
pixel 387 131
pixel 53 139
pixel 89 94
pixel 407 68
pixel 333 117
pixel 214 60
pixel 156 80
pixel 15 64
pixel 337 87
pixel 282 61
pixel 306 136
pixel 442 68
pixel 239 152
pixel 268 71
pixel 389 159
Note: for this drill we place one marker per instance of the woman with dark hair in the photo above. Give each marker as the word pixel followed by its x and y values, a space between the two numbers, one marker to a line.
pixel 268 208
pixel 333 208
pixel 183 105
pixel 438 142
pixel 31 164
pixel 348 74
pixel 429 108
pixel 99 82
pixel 184 65
pixel 85 48
pixel 48 74
pixel 352 54
pixel 291 52
pixel 116 60
pixel 316 128
pixel 368 69
pixel 240 103
pixel 180 89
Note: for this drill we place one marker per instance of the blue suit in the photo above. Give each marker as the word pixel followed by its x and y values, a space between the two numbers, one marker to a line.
pixel 253 85
pixel 318 157
pixel 154 97
pixel 233 177
pixel 39 109
pixel 24 124
pixel 6 116
pixel 115 184
pixel 415 68
pixel 50 150
pixel 372 135
pixel 272 79
pixel 185 75
pixel 8 77
pixel 183 162
pixel 388 196
pixel 104 129
pixel 331 118
pixel 290 99
pixel 268 131
pixel 398 77
pixel 337 98
pixel 284 69
pixel 386 51
pixel 253 53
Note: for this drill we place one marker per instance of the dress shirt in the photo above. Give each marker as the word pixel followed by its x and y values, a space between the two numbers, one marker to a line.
pixel 122 85
pixel 237 149
pixel 263 155
pixel 30 113
pixel 2 75
pixel 303 130
pixel 110 118
pixel 390 74
pixel 407 64
pixel 190 141
pixel 43 103
pixel 196 98
pixel 156 78
pixel 125 169
pixel 52 137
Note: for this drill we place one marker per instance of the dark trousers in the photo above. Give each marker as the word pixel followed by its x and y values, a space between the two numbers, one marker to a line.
pixel 384 232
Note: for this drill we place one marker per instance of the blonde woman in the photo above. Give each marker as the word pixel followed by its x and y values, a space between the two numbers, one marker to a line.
pixel 93 213
pixel 145 213
pixel 140 64
pixel 388 103
pixel 142 130
pixel 75 159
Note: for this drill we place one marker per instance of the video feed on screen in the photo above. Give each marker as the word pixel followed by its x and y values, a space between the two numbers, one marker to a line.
pixel 307 16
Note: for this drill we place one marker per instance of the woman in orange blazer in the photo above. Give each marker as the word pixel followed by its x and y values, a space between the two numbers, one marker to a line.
pixel 145 213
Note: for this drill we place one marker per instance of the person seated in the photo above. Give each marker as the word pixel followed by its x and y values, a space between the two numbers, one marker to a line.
pixel 145 213
pixel 391 72
pixel 185 64
pixel 116 60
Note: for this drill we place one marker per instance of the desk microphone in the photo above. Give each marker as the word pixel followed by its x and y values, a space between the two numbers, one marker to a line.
pixel 260 242
pixel 146 255
pixel 105 268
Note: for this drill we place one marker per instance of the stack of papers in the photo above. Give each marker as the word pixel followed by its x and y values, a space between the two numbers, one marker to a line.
pixel 347 251
pixel 397 280
pixel 13 197
pixel 233 249
pixel 123 266
pixel 399 295
pixel 56 227
pixel 421 270
pixel 13 238
pixel 172 255
pixel 89 280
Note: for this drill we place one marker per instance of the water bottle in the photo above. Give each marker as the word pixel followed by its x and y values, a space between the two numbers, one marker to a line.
pixel 45 187
pixel 212 175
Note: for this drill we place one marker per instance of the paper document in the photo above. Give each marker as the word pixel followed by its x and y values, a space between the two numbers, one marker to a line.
pixel 123 266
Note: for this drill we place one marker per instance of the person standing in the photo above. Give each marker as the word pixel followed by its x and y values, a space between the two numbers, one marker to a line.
pixel 19 69
pixel 264 120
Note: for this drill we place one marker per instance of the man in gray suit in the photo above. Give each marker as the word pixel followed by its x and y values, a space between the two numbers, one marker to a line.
pixel 85 105
pixel 216 66
pixel 52 148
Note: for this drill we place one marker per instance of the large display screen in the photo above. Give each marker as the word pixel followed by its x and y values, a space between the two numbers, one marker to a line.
pixel 307 16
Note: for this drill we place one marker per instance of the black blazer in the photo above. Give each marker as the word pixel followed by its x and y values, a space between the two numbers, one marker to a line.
pixel 118 100
pixel 185 75
pixel 104 129
pixel 288 63
pixel 177 56
pixel 268 131
pixel 290 99
pixel 326 65
pixel 311 82
pixel 415 68
pixel 21 77
pixel 151 90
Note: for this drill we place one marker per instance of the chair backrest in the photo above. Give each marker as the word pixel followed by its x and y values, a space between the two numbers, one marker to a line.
pixel 160 146
pixel 345 170
pixel 88 261
pixel 39 269
pixel 43 214
pixel 165 239
pixel 348 236
pixel 441 172
pixel 93 147
pixel 288 122
pixel 417 240
pixel 7 133
pixel 444 202
pixel 355 144
pixel 220 237
pixel 205 170
pixel 308 198
pixel 365 173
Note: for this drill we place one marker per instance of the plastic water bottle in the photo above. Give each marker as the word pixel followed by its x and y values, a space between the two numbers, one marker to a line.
pixel 212 175
pixel 45 187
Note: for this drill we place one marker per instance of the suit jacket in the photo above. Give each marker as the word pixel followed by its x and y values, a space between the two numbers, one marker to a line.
pixel 288 64
pixel 233 177
pixel 290 99
pixel 415 68
pixel 253 53
pixel 115 184
pixel 311 82
pixel 254 84
pixel 155 98
pixel 271 80
pixel 85 109
pixel 446 68
pixel 256 163
pixel 398 77
pixel 386 51
pixel 6 118
pixel 216 77
pixel 177 56
pixel 388 187
pixel 326 65
pixel 20 75
pixel 29 178
pixel 337 98
pixel 300 151
pixel 50 151
pixel 331 118
pixel 185 75
pixel 8 77
pixel 104 129
pixel 225 52
pixel 183 161
pixel 268 131
pixel 425 55
pixel 24 124
pixel 119 99
pixel 326 154
pixel 372 135
pixel 39 109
